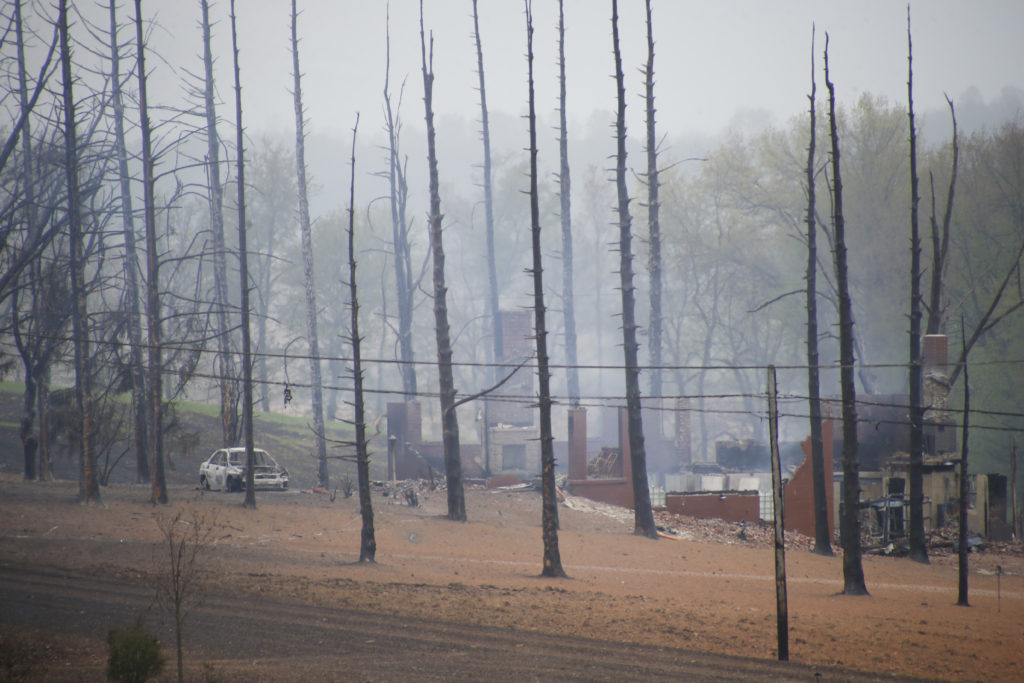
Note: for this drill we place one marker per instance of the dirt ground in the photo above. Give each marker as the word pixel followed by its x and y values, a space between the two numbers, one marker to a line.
pixel 708 589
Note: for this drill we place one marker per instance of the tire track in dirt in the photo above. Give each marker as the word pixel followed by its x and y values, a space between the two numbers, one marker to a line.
pixel 277 640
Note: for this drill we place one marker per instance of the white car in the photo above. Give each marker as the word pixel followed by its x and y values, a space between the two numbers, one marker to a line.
pixel 225 470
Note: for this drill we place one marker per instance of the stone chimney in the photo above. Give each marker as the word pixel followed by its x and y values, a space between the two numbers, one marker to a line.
pixel 935 349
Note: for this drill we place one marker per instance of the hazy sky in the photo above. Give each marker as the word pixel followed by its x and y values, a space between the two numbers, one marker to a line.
pixel 714 59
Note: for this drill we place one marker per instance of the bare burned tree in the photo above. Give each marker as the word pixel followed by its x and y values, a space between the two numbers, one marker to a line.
pixel 156 432
pixel 316 387
pixel 37 333
pixel 35 263
pixel 822 542
pixel 12 142
pixel 132 301
pixel 226 373
pixel 88 483
pixel 33 356
pixel 243 270
pixel 497 350
pixel 449 417
pixel 653 208
pixel 918 548
pixel 853 571
pixel 643 514
pixel 565 211
pixel 965 488
pixel 29 442
pixel 549 514
pixel 398 196
pixel 368 542
pixel 178 589
pixel 940 238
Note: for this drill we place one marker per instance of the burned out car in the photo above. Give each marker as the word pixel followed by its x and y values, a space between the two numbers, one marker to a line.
pixel 225 470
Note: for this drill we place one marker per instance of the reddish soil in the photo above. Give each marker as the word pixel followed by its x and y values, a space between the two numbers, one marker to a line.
pixel 709 591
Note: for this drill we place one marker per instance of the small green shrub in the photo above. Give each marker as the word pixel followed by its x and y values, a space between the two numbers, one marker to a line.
pixel 135 655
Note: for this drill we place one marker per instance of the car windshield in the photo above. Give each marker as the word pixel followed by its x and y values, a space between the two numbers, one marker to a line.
pixel 260 458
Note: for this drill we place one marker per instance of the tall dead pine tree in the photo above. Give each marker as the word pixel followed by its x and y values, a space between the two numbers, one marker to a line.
pixel 153 323
pixel 918 547
pixel 131 267
pixel 822 540
pixel 653 211
pixel 643 514
pixel 565 211
pixel 492 271
pixel 88 482
pixel 33 392
pixel 225 363
pixel 398 195
pixel 853 570
pixel 243 268
pixel 965 487
pixel 446 380
pixel 549 515
pixel 368 542
pixel 316 385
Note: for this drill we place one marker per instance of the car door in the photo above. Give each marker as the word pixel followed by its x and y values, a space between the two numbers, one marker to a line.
pixel 219 469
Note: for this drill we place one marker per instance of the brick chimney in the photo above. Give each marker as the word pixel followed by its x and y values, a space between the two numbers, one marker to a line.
pixel 935 352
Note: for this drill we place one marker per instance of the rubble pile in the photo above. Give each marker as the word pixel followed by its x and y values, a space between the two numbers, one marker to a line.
pixel 945 540
pixel 760 535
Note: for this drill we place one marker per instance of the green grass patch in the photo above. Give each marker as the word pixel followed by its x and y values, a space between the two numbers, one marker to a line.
pixel 195 408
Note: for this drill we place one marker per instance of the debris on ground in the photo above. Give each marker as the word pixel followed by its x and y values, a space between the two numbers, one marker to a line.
pixel 581 504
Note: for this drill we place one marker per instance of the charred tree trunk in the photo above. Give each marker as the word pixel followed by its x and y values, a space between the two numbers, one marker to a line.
pixel 449 418
pixel 965 490
pixel 940 239
pixel 398 196
pixel 225 364
pixel 156 432
pixel 131 267
pixel 549 506
pixel 653 209
pixel 853 571
pixel 643 514
pixel 1014 507
pixel 918 549
pixel 368 542
pixel 565 209
pixel 243 269
pixel 29 442
pixel 316 386
pixel 32 366
pixel 42 401
pixel 263 284
pixel 822 539
pixel 781 592
pixel 26 431
pixel 492 272
pixel 35 357
pixel 88 484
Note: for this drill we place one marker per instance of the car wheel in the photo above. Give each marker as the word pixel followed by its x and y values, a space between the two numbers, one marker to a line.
pixel 234 485
pixel 204 482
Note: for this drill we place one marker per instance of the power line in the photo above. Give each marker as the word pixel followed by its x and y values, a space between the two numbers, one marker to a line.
pixel 202 349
